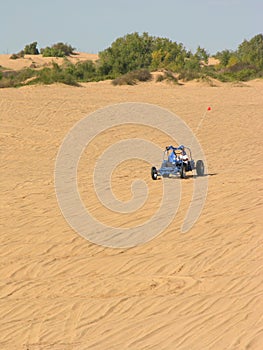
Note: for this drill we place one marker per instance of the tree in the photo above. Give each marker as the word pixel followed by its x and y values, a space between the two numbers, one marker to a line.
pixel 251 51
pixel 134 51
pixel 167 54
pixel 31 49
pixel 126 54
pixel 224 57
pixel 201 54
pixel 85 70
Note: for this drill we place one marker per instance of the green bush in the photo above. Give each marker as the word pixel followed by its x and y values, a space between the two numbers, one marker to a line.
pixel 238 72
pixel 132 78
pixel 16 78
pixel 160 78
pixel 201 55
pixel 126 54
pixel 246 74
pixel 167 54
pixel 31 49
pixel 248 57
pixel 224 57
pixel 85 71
pixel 126 79
pixel 142 75
pixel 207 80
pixel 55 74
pixel 57 50
pixel 188 74
pixel 168 76
pixel 15 56
pixel 251 52
pixel 134 51
pixel 131 58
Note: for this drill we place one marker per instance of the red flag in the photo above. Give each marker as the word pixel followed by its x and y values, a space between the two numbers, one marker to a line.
pixel 209 108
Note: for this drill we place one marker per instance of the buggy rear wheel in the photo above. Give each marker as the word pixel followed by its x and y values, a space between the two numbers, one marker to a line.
pixel 183 171
pixel 200 168
pixel 154 173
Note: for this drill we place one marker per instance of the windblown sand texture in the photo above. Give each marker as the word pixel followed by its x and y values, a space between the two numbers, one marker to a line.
pixel 38 61
pixel 199 290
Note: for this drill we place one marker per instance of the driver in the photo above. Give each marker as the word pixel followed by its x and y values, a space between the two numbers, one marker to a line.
pixel 173 157
pixel 182 148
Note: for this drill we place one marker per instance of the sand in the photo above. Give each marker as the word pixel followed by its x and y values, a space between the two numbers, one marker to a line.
pixel 38 61
pixel 198 290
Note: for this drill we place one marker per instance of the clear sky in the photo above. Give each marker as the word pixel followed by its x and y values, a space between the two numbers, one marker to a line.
pixel 92 25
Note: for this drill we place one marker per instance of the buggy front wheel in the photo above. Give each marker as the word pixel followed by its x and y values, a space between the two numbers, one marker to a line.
pixel 154 173
pixel 200 168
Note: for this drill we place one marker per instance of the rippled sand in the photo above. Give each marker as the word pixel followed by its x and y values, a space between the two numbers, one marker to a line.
pixel 198 290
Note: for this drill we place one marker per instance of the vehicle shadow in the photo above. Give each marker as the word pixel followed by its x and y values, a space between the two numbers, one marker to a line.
pixel 191 176
pixel 195 176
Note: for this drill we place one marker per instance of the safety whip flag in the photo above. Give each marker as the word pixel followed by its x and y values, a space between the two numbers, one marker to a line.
pixel 202 119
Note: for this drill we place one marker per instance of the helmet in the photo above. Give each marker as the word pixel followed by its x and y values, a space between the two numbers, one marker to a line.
pixel 181 147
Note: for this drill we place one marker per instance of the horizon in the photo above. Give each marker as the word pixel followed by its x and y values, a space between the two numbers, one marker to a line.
pixel 92 27
pixel 211 54
pixel 76 51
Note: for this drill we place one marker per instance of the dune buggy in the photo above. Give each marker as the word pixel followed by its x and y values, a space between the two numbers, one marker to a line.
pixel 178 165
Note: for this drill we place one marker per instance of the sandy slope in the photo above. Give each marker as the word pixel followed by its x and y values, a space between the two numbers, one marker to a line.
pixel 200 290
pixel 38 61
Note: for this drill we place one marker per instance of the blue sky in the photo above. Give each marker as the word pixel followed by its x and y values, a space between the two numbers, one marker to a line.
pixel 91 26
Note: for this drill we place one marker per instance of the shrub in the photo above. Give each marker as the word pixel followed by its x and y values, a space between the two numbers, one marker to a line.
pixel 132 77
pixel 187 75
pixel 16 78
pixel 246 74
pixel 31 49
pixel 167 54
pixel 126 54
pixel 126 79
pixel 129 59
pixel 159 78
pixel 207 80
pixel 233 61
pixel 238 72
pixel 57 50
pixel 143 75
pixel 223 57
pixel 55 74
pixel 251 52
pixel 201 55
pixel 134 51
pixel 168 76
pixel 85 71
pixel 15 56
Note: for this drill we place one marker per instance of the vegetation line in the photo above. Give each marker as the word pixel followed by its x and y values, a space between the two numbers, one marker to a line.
pixel 133 57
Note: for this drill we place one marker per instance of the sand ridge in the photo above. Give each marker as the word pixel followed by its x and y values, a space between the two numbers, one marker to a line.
pixel 200 290
pixel 38 61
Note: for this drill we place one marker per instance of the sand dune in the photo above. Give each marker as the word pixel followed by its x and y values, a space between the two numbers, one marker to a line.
pixel 198 290
pixel 38 61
